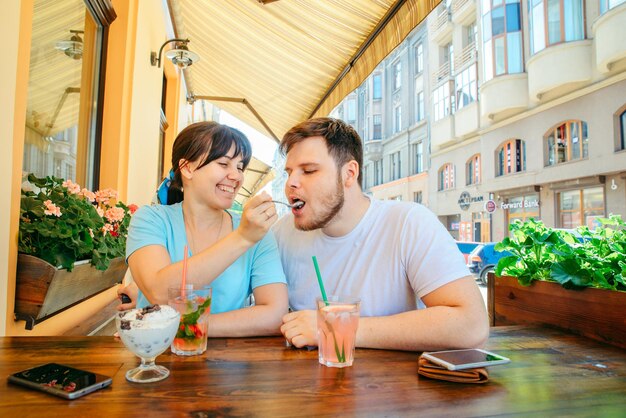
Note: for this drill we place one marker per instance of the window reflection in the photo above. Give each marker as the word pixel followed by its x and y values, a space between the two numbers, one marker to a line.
pixel 62 89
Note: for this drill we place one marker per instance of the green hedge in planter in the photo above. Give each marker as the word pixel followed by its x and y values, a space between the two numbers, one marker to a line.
pixel 587 258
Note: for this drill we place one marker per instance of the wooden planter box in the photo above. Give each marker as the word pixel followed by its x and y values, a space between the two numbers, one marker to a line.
pixel 593 313
pixel 42 290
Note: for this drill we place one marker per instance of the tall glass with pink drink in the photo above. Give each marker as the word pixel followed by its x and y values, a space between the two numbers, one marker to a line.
pixel 337 322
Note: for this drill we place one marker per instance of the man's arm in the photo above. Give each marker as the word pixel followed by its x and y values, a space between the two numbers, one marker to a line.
pixel 455 317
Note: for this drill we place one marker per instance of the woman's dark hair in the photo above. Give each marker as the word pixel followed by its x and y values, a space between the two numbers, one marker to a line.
pixel 342 141
pixel 208 141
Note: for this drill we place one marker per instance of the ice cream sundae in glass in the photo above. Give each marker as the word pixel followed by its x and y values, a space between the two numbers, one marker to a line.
pixel 147 333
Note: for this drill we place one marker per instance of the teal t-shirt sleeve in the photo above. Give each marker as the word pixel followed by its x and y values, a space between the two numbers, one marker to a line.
pixel 266 265
pixel 146 228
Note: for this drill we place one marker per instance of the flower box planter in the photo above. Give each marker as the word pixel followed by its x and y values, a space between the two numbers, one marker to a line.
pixel 593 313
pixel 43 290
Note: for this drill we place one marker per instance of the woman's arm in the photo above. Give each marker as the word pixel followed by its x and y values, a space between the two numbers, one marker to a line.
pixel 264 318
pixel 154 271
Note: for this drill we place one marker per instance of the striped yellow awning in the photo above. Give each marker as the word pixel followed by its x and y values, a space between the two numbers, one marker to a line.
pixel 288 59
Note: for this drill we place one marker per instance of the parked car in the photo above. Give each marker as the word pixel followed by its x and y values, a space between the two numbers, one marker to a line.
pixel 484 259
pixel 466 248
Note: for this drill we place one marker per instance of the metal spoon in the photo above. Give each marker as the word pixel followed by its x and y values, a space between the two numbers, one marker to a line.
pixel 296 205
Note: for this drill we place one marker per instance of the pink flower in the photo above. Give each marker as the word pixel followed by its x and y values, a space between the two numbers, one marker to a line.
pixel 103 196
pixel 106 228
pixel 91 232
pixel 89 195
pixel 100 211
pixel 51 209
pixel 132 208
pixel 114 214
pixel 72 187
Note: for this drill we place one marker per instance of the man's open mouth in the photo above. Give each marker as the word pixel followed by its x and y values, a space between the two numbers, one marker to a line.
pixel 297 205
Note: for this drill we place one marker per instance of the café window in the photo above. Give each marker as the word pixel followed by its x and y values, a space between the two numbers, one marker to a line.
pixel 472 170
pixel 446 177
pixel 581 207
pixel 522 207
pixel 566 142
pixel 555 21
pixel 64 104
pixel 511 157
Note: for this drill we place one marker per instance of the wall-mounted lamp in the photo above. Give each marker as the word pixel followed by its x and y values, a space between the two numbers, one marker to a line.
pixel 180 55
pixel 73 47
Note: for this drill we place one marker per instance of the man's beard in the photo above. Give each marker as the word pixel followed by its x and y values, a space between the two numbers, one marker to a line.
pixel 331 204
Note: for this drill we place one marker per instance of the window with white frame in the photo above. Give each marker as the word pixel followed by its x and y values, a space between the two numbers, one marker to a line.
pixel 377 126
pixel 417 197
pixel 396 165
pixel 555 21
pixel 397 75
pixel 419 106
pixel 418 157
pixel 606 5
pixel 351 113
pixel 397 118
pixel 448 56
pixel 566 142
pixel 446 177
pixel 378 172
pixel 377 87
pixel 466 87
pixel 443 100
pixel 470 32
pixel 419 58
pixel 502 38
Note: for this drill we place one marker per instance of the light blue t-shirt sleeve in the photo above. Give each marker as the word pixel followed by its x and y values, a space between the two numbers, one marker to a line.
pixel 146 228
pixel 266 265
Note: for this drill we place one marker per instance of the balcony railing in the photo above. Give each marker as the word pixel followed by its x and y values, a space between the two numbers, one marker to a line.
pixel 443 17
pixel 467 56
pixel 443 73
pixel 459 4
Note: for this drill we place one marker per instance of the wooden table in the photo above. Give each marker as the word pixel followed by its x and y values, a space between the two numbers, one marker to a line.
pixel 551 374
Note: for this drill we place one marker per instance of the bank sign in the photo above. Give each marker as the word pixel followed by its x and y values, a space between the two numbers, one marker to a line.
pixel 531 203
pixel 465 200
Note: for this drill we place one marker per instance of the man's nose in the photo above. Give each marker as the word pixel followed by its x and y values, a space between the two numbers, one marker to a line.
pixel 293 181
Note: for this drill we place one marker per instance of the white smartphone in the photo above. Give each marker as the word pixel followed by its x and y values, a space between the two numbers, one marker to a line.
pixel 64 381
pixel 465 359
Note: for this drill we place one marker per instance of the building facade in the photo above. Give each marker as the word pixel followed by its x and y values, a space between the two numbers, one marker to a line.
pixel 494 110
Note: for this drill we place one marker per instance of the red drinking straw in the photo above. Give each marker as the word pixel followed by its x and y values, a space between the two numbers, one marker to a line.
pixel 183 285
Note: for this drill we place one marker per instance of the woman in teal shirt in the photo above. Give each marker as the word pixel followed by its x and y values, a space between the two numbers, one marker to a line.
pixel 235 255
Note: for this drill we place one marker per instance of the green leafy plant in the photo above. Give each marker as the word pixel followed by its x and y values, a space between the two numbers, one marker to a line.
pixel 589 258
pixel 62 223
pixel 188 328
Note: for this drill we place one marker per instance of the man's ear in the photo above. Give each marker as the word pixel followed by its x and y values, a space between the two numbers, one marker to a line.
pixel 351 173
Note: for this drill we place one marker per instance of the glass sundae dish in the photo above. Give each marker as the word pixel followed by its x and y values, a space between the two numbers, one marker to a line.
pixel 147 333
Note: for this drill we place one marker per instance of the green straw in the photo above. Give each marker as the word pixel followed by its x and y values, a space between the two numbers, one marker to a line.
pixel 319 280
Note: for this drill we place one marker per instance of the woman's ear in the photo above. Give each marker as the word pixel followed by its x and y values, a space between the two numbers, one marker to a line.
pixel 185 168
pixel 351 173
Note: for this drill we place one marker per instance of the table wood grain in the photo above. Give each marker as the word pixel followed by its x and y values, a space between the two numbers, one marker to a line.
pixel 551 374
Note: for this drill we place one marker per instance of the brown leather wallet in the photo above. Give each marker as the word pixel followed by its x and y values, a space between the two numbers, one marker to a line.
pixel 431 370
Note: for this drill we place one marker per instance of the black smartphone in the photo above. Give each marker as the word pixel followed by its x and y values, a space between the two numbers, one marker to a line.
pixel 465 359
pixel 57 379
